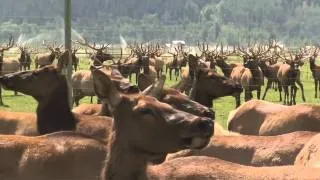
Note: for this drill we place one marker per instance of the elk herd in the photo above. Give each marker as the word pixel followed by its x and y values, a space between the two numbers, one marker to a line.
pixel 142 129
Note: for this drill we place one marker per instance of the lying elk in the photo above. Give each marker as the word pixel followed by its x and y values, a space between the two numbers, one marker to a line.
pixel 25 58
pixel 99 54
pixel 42 60
pixel 289 74
pixel 7 65
pixel 315 69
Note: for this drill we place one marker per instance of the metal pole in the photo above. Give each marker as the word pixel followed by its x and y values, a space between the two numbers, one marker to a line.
pixel 67 39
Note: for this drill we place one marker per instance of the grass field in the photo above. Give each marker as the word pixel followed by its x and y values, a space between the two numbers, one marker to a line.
pixel 221 106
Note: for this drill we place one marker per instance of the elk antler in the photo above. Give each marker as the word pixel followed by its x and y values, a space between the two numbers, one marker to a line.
pixel 9 45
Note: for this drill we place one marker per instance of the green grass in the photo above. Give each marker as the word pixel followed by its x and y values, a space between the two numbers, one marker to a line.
pixel 221 106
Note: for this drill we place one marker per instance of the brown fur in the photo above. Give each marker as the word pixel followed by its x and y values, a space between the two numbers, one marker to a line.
pixel 208 168
pixel 53 112
pixel 82 85
pixel 288 75
pixel 253 150
pixel 309 155
pixel 258 117
pixel 270 72
pixel 62 155
pixel 166 128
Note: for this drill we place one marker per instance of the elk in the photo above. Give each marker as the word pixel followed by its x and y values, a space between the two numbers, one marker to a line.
pixel 309 155
pixel 7 65
pixel 183 130
pixel 42 60
pixel 82 86
pixel 257 117
pixel 75 59
pixel 250 75
pixel 315 69
pixel 209 85
pixel 289 74
pixel 53 111
pixel 99 55
pixel 25 58
pixel 220 60
pixel 270 71
pixel 179 60
pixel 256 151
pixel 155 59
pixel 166 95
pixel 60 155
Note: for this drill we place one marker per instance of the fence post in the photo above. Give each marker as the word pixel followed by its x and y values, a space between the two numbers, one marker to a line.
pixel 67 39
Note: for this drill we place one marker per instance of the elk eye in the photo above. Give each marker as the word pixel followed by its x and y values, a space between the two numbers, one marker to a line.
pixel 146 111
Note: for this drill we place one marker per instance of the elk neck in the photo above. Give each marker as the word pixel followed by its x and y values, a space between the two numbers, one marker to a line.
pixel 312 63
pixel 265 69
pixel 226 68
pixel 53 112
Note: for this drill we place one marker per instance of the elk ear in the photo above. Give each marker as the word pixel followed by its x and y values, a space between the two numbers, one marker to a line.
pixel 155 90
pixel 105 88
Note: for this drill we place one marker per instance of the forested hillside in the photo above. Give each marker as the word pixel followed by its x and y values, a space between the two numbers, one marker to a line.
pixel 292 21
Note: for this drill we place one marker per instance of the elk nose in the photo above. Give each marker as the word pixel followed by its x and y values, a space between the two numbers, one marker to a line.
pixel 206 125
pixel 209 113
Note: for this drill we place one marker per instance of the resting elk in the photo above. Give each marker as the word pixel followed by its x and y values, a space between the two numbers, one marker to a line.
pixel 289 74
pixel 42 60
pixel 7 65
pixel 166 95
pixel 315 69
pixel 264 118
pixel 253 150
pixel 53 111
pixel 182 130
pixel 167 132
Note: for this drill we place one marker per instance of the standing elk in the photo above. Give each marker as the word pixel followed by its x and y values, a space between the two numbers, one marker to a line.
pixel 25 58
pixel 155 59
pixel 250 75
pixel 8 65
pixel 42 60
pixel 289 74
pixel 179 60
pixel 99 55
pixel 315 69
pixel 270 71
pixel 75 59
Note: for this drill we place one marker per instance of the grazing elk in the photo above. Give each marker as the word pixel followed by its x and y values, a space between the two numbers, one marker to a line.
pixel 7 65
pixel 289 74
pixel 253 150
pixel 53 111
pixel 151 119
pixel 25 58
pixel 42 60
pixel 315 69
pixel 264 118
pixel 99 55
